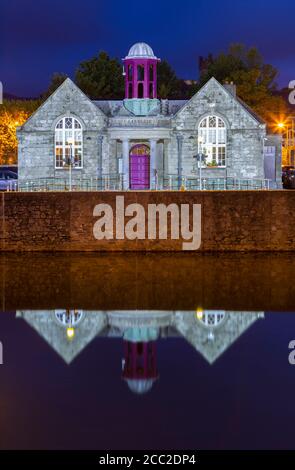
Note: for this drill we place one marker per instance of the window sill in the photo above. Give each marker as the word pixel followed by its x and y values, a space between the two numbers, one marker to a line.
pixel 67 169
pixel 213 167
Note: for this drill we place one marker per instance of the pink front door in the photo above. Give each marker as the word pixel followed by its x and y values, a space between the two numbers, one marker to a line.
pixel 139 167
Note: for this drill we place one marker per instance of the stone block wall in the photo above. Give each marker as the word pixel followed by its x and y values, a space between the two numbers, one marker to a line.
pixel 231 221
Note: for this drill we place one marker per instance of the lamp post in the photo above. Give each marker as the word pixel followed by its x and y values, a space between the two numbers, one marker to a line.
pixel 200 158
pixel 70 162
pixel 288 127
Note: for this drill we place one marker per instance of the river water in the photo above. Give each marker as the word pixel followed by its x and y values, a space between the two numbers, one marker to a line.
pixel 143 351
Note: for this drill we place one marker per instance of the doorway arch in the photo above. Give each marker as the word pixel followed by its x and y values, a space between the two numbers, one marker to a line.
pixel 139 167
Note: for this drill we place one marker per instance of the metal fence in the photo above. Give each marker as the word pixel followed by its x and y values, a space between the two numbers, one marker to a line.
pixel 173 182
pixel 116 183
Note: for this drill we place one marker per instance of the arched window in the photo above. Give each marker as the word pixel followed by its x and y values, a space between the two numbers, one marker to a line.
pixel 68 143
pixel 210 318
pixel 151 73
pixel 130 72
pixel 140 73
pixel 151 90
pixel 140 90
pixel 130 90
pixel 69 317
pixel 212 140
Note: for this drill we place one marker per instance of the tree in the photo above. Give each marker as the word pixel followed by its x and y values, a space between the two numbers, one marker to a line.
pixel 169 85
pixel 101 77
pixel 254 79
pixel 56 80
pixel 13 113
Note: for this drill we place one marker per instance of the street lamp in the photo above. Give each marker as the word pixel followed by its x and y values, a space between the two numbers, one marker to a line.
pixel 70 161
pixel 200 158
pixel 289 136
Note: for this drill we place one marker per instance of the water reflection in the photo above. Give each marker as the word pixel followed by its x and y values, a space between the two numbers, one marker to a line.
pixel 209 332
pixel 96 332
pixel 129 281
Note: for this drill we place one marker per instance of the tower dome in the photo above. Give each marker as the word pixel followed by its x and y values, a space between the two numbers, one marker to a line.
pixel 140 71
pixel 140 386
pixel 141 50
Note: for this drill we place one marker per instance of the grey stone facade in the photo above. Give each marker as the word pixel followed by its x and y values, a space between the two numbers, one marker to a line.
pixel 210 340
pixel 170 131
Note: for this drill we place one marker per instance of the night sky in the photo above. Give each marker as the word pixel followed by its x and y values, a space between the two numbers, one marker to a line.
pixel 38 38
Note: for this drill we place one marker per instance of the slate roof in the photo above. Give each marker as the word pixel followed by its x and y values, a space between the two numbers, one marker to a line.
pixel 114 108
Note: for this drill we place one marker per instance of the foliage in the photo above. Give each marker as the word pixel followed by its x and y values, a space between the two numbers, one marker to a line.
pixel 57 79
pixel 13 113
pixel 254 79
pixel 101 77
pixel 169 86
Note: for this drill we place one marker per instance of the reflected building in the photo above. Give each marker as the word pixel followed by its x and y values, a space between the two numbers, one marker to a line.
pixel 68 332
pixel 210 332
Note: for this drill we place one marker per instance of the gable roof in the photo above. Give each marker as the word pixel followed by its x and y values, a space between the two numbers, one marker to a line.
pixel 234 325
pixel 247 108
pixel 250 110
pixel 68 82
pixel 45 324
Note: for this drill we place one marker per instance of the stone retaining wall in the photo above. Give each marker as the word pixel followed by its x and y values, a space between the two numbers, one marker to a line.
pixel 231 221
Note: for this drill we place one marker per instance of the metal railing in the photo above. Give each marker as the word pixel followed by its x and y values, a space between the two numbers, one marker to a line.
pixel 116 183
pixel 173 182
pixel 106 183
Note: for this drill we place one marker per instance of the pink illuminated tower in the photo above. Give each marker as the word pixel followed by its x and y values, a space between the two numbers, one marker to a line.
pixel 140 71
pixel 140 360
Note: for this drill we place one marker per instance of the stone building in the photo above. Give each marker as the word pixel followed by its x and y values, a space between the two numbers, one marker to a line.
pixel 144 142
pixel 210 332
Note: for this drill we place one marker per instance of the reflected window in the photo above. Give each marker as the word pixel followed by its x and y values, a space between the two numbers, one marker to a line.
pixel 210 318
pixel 69 318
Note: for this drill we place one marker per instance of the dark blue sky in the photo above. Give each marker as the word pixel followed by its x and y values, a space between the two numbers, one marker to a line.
pixel 38 38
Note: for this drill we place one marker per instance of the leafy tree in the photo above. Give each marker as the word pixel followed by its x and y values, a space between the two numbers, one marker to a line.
pixel 254 79
pixel 101 77
pixel 169 85
pixel 56 80
pixel 13 113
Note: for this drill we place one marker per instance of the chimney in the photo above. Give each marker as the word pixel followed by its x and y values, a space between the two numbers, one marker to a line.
pixel 231 87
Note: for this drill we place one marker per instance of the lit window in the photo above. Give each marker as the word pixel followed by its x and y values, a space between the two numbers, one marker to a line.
pixel 69 317
pixel 211 318
pixel 68 143
pixel 212 140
